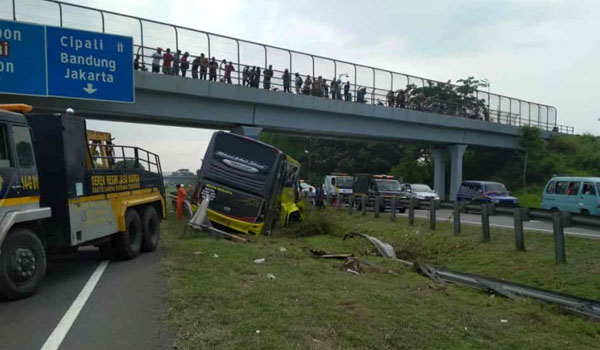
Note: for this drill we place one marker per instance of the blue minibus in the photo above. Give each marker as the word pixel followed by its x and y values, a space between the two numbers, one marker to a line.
pixel 573 194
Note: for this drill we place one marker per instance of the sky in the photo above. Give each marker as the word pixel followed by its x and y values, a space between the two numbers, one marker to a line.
pixel 542 51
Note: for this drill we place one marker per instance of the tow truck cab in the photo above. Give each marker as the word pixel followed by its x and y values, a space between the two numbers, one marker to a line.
pixel 56 195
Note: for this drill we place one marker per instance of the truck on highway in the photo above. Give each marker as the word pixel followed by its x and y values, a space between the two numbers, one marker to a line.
pixel 338 186
pixel 60 190
pixel 251 186
pixel 386 187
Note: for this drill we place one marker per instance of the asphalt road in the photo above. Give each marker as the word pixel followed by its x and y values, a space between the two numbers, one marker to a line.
pixel 122 312
pixel 507 222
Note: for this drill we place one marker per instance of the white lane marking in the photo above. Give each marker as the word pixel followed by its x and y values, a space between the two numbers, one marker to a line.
pixel 581 234
pixel 61 330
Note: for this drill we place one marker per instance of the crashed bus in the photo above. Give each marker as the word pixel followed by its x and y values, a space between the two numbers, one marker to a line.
pixel 251 186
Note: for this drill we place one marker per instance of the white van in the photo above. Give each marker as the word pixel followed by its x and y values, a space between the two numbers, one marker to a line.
pixel 338 184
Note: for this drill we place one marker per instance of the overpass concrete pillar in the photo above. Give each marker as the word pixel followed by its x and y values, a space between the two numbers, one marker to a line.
pixel 439 172
pixel 248 131
pixel 456 166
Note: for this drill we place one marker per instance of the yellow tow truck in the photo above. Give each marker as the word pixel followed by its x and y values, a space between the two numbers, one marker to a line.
pixel 62 187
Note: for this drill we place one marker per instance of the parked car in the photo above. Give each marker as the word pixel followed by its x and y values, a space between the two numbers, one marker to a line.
pixel 419 191
pixel 572 194
pixel 486 191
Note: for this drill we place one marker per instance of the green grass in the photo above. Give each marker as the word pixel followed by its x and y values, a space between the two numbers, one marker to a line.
pixel 223 302
pixel 530 197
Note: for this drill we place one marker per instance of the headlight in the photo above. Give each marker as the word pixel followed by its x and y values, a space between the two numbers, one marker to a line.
pixel 495 201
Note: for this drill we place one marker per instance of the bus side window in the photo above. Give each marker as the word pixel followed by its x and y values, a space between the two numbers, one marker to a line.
pixel 588 189
pixel 4 154
pixel 573 189
pixel 551 189
pixel 333 181
pixel 561 187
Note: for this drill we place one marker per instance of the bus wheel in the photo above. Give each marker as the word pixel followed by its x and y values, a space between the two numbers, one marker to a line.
pixel 585 212
pixel 150 229
pixel 129 243
pixel 22 264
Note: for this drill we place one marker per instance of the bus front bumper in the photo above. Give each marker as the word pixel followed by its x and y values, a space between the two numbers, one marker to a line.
pixel 235 224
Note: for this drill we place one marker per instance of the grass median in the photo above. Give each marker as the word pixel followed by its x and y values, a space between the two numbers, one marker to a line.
pixel 220 298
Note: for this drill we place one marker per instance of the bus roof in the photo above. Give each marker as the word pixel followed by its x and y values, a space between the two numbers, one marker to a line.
pixel 291 160
pixel 575 178
pixel 275 149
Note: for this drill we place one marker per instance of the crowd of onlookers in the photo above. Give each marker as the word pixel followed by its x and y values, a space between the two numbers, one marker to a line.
pixel 202 67
pixel 205 68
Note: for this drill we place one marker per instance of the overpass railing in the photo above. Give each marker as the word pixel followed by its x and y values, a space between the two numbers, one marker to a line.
pixel 498 108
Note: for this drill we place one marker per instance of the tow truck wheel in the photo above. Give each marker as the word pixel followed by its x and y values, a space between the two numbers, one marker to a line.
pixel 129 243
pixel 22 264
pixel 150 229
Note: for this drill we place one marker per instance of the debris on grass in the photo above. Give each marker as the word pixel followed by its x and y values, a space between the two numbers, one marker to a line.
pixel 259 261
pixel 352 265
pixel 384 249
pixel 197 252
pixel 215 256
pixel 270 276
pixel 282 249
pixel 324 255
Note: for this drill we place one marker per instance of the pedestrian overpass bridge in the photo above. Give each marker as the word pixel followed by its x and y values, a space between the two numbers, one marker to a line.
pixel 176 101
pixel 173 101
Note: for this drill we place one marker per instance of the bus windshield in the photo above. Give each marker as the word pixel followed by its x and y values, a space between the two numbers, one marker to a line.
pixel 388 185
pixel 245 155
pixel 344 181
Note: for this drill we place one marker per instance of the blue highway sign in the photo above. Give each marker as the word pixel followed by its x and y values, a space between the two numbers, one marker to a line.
pixel 52 61
pixel 22 59
pixel 89 65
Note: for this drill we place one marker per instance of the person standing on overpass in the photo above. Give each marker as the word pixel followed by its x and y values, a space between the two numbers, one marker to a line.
pixel 195 65
pixel 268 74
pixel 228 69
pixel 298 83
pixel 203 66
pixel 176 62
pixel 156 60
pixel 185 63
pixel 212 70
pixel 167 60
pixel 286 80
pixel 347 96
pixel 390 98
pixel 181 196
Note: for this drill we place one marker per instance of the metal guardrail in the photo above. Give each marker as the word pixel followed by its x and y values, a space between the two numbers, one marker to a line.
pixel 501 109
pixel 570 219
pixel 578 305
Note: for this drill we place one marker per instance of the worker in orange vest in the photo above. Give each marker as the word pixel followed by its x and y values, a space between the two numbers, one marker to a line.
pixel 181 196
